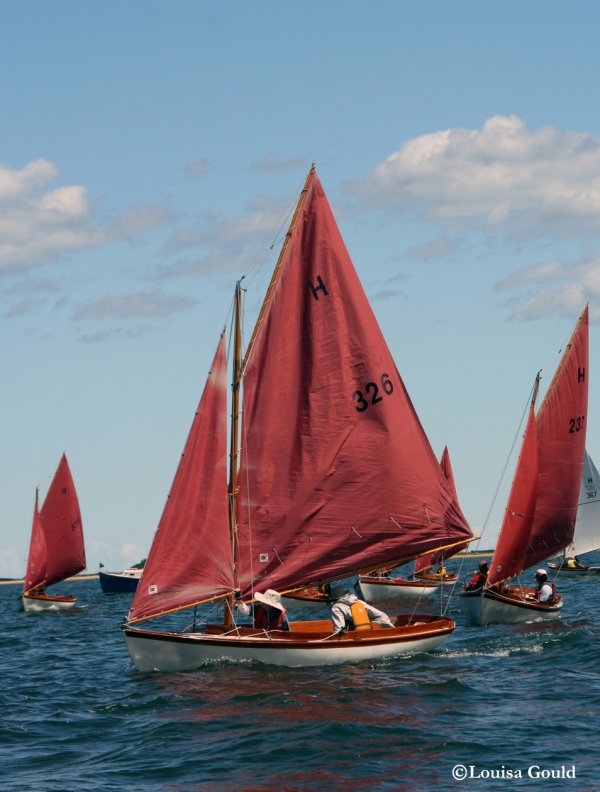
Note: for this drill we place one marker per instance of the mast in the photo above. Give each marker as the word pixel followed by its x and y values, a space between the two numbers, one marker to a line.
pixel 234 440
pixel 238 368
pixel 275 275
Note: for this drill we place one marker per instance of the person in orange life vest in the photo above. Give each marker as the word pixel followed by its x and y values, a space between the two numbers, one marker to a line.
pixel 267 611
pixel 545 591
pixel 479 579
pixel 348 612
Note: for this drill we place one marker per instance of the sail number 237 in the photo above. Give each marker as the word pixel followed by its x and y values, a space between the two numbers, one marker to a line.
pixel 576 424
pixel 372 395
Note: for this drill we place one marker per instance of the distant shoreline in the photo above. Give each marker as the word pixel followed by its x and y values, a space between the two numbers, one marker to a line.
pixel 76 578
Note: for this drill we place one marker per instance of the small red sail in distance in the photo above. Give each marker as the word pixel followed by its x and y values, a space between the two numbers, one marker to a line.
pixel 190 559
pixel 542 508
pixel 429 560
pixel 336 472
pixel 61 522
pixel 36 560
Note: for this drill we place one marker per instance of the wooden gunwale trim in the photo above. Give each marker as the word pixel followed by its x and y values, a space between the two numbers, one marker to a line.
pixel 512 600
pixel 49 597
pixel 439 627
pixel 397 583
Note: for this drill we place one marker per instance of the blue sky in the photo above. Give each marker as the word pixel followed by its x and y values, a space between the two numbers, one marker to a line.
pixel 150 153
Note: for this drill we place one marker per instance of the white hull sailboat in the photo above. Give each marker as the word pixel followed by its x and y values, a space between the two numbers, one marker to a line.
pixel 542 505
pixel 320 484
pixel 308 643
pixel 38 603
pixel 513 605
pixel 381 589
pixel 56 549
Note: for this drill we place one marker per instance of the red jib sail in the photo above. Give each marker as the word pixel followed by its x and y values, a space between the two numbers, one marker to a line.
pixel 61 523
pixel 190 559
pixel 542 507
pixel 36 561
pixel 336 472
pixel 429 560
pixel 515 533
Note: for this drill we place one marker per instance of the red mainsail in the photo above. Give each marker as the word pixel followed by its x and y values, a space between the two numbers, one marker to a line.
pixel 190 559
pixel 562 423
pixel 542 507
pixel 336 472
pixel 61 523
pixel 36 561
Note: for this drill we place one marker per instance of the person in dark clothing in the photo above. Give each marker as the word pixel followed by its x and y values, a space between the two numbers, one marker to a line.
pixel 479 579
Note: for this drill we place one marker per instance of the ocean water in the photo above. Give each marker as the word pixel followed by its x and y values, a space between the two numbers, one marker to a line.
pixel 500 700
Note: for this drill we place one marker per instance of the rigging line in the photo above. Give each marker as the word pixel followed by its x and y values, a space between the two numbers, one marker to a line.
pixel 277 234
pixel 508 458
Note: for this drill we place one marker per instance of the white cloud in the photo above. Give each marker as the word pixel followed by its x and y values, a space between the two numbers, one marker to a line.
pixel 196 170
pixel 514 181
pixel 114 557
pixel 554 288
pixel 134 305
pixel 263 216
pixel 39 225
pixel 272 162
pixel 33 177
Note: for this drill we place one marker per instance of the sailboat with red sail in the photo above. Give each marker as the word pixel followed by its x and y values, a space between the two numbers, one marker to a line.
pixel 380 587
pixel 431 566
pixel 56 549
pixel 542 506
pixel 332 460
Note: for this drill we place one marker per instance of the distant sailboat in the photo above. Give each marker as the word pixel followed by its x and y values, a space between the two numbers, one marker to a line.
pixel 56 549
pixel 323 480
pixel 425 564
pixel 587 525
pixel 379 587
pixel 542 505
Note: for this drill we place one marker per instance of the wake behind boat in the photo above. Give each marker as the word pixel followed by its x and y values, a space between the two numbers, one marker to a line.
pixel 56 549
pixel 320 485
pixel 542 505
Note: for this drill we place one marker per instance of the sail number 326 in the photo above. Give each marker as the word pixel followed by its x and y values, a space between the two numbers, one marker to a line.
pixel 371 395
pixel 576 424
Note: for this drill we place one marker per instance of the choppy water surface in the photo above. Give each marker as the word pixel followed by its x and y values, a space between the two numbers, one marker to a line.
pixel 77 716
